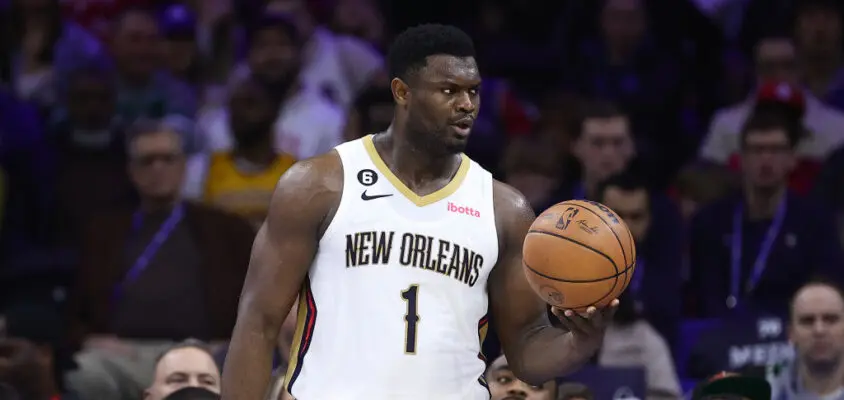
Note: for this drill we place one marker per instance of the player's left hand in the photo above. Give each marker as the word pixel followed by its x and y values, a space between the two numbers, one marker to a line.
pixel 587 329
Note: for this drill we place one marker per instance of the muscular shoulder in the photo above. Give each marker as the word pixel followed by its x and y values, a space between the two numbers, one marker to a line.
pixel 309 189
pixel 513 213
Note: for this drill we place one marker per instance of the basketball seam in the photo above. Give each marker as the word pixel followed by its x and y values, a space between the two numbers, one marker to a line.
pixel 573 280
pixel 584 245
pixel 617 239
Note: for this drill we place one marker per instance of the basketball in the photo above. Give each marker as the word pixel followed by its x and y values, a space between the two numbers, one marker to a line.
pixel 579 254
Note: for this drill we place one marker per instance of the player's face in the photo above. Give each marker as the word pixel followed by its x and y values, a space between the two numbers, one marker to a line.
pixel 188 367
pixel 503 385
pixel 767 158
pixel 817 325
pixel 605 147
pixel 443 103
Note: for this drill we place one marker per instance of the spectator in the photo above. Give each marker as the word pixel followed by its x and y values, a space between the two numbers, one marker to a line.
pixel 188 364
pixel 33 355
pixel 242 180
pixel 816 330
pixel 574 391
pixel 182 57
pixel 192 393
pixel 626 66
pixel 818 34
pixel 529 166
pixel 360 19
pixel 307 123
pixel 700 185
pixel 659 253
pixel 42 48
pixel 166 271
pixel 503 384
pixel 727 386
pixel 762 245
pixel 372 112
pixel 630 341
pixel 777 83
pixel 145 88
pixel 603 143
pixel 88 143
pixel 337 66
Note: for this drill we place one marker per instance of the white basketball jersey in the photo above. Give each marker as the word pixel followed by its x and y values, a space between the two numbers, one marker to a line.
pixel 395 303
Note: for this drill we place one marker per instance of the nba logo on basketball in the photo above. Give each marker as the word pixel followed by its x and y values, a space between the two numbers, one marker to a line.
pixel 463 210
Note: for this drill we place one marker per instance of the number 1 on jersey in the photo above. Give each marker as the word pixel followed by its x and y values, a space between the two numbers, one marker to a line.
pixel 411 318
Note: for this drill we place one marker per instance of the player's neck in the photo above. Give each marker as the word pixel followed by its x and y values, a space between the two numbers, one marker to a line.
pixel 823 383
pixel 412 164
pixel 763 202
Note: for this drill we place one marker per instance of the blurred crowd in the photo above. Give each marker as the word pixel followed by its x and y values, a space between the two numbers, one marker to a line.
pixel 141 140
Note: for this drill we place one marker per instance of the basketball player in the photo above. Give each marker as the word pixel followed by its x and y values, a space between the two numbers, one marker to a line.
pixel 395 243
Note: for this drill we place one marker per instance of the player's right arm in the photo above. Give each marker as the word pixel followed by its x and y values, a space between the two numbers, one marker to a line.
pixel 301 208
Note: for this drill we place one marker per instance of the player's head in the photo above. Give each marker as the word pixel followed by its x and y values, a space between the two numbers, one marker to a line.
pixel 503 384
pixel 188 364
pixel 435 84
pixel 816 327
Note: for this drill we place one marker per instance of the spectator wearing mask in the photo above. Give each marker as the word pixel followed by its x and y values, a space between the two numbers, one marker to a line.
pixel 777 85
pixel 659 253
pixel 503 384
pixel 188 364
pixel 754 248
pixel 88 143
pixel 337 66
pixel 630 341
pixel 816 330
pixel 732 386
pixel 33 352
pixel 146 89
pixel 42 48
pixel 149 276
pixel 243 179
pixel 307 124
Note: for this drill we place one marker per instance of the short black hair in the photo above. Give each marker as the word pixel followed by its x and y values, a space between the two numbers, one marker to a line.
pixel 626 181
pixel 411 49
pixel 772 118
pixel 595 109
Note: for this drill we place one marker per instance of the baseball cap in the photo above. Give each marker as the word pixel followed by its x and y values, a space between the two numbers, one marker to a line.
pixel 730 383
pixel 193 393
pixel 781 93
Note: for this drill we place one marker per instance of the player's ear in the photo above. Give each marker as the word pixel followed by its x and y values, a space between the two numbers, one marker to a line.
pixel 400 91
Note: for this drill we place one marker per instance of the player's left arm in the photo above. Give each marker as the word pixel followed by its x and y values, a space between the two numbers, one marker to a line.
pixel 536 350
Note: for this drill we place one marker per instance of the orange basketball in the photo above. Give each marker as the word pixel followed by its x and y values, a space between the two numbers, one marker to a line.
pixel 579 254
